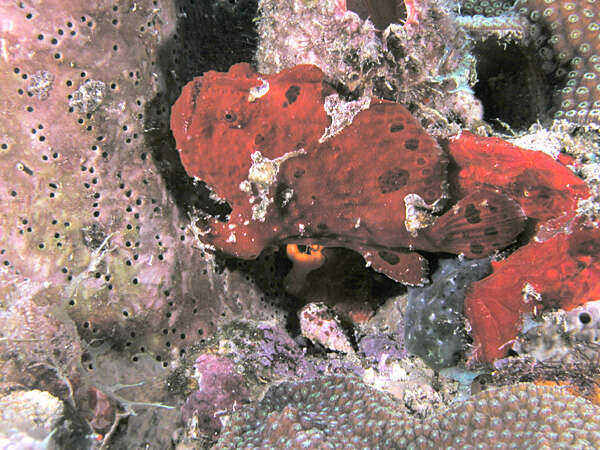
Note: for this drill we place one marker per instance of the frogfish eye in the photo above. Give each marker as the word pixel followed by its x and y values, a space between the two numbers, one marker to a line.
pixel 230 116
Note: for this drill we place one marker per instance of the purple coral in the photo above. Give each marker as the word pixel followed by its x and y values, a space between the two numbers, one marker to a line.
pixel 379 347
pixel 221 390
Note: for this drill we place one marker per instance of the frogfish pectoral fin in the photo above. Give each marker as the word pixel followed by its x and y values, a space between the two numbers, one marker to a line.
pixel 479 224
pixel 403 266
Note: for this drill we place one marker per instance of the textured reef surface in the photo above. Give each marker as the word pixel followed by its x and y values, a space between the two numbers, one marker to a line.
pixel 269 223
pixel 336 411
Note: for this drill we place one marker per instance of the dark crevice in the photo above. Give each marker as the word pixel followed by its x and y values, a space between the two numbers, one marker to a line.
pixel 512 86
pixel 210 35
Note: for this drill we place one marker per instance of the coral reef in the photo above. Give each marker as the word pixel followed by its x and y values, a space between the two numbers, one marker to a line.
pixel 84 207
pixel 388 367
pixel 571 30
pixel 279 193
pixel 263 353
pixel 434 317
pixel 220 389
pixel 425 65
pixel 95 247
pixel 579 377
pixel 485 7
pixel 36 419
pixel 319 324
pixel 317 413
pixel 278 210
pixel 559 38
pixel 237 364
pixel 374 346
pixel 132 390
pixel 555 347
pixel 335 411
pixel 287 30
pixel 38 337
pixel 119 322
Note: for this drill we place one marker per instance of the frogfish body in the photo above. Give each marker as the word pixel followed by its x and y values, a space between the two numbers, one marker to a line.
pixel 271 146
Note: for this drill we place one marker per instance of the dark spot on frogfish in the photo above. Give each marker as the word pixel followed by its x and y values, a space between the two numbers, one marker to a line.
pixel 411 144
pixel 392 180
pixel 292 94
pixel 472 214
pixel 490 231
pixel 476 248
pixel 230 116
pixel 388 257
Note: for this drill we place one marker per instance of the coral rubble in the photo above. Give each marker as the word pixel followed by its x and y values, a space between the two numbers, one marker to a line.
pixel 220 389
pixel 35 419
pixel 319 324
pixel 569 337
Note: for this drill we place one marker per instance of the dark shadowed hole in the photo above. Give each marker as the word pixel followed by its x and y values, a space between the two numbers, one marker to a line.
pixel 381 12
pixel 181 58
pixel 585 318
pixel 511 86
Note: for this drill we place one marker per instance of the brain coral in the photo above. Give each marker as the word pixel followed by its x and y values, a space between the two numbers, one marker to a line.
pixel 315 414
pixel 337 412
